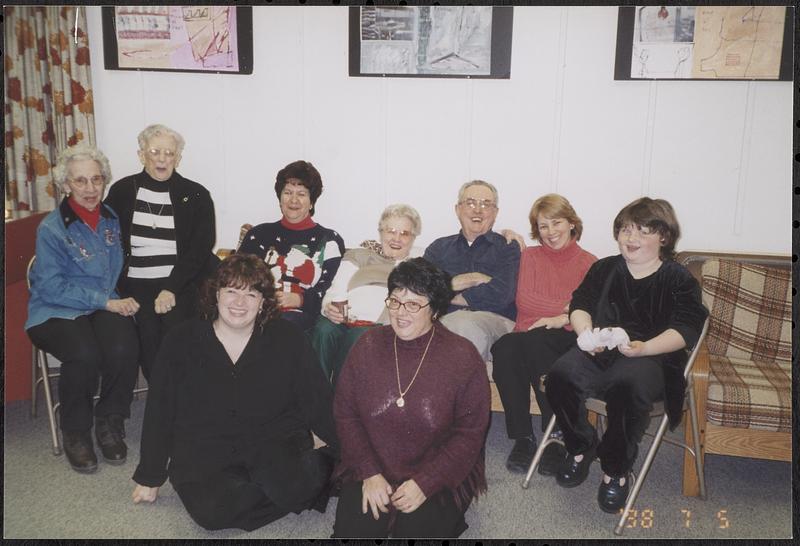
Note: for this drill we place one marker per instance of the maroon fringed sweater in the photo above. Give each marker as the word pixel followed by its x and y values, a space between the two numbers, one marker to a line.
pixel 437 437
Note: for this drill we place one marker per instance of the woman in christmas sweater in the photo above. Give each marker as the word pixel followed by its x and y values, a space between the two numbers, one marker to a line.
pixel 302 255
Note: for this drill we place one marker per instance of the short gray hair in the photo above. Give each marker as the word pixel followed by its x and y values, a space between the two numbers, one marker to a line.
pixel 400 210
pixel 157 129
pixel 78 153
pixel 478 183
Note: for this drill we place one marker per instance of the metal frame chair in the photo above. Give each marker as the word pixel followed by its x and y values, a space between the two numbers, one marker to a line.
pixel 599 407
pixel 42 374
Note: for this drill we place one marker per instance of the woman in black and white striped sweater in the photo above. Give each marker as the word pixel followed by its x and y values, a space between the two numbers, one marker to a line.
pixel 168 233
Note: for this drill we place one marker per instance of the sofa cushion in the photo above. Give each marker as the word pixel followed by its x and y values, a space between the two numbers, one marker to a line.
pixel 749 394
pixel 749 345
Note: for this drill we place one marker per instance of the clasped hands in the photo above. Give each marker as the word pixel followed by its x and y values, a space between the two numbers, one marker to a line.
pixel 376 494
pixel 164 302
pixel 597 339
pixel 125 306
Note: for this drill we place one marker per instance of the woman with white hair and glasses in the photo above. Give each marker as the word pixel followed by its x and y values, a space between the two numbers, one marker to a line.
pixel 76 314
pixel 354 302
pixel 168 234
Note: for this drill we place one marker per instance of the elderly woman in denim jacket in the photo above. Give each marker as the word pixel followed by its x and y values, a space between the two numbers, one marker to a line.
pixel 75 313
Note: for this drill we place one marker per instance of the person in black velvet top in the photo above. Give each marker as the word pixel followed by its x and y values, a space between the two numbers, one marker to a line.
pixel 657 302
pixel 232 403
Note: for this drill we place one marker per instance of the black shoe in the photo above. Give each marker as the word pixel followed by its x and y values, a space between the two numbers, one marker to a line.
pixel 553 456
pixel 109 432
pixel 80 451
pixel 573 473
pixel 117 423
pixel 521 455
pixel 611 496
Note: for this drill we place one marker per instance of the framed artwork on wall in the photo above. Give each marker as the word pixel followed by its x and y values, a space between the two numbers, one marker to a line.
pixel 431 41
pixel 704 43
pixel 198 38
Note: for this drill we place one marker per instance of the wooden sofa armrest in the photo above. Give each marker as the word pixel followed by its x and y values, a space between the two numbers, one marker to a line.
pixel 223 253
pixel 699 377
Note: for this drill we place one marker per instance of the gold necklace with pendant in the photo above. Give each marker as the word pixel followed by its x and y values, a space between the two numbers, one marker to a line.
pixel 401 401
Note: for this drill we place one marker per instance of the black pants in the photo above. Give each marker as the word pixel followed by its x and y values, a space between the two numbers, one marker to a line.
pixel 519 359
pixel 629 386
pixel 229 499
pixel 437 517
pixel 102 345
pixel 153 327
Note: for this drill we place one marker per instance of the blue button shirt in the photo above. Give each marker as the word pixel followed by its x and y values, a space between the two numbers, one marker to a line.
pixel 76 268
pixel 489 254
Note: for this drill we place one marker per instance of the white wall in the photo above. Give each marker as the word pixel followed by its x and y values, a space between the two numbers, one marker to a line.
pixel 720 152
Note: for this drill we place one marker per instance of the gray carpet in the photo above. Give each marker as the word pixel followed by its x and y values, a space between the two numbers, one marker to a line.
pixel 44 498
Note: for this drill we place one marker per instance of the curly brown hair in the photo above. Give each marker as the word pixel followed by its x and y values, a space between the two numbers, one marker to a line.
pixel 243 271
pixel 308 176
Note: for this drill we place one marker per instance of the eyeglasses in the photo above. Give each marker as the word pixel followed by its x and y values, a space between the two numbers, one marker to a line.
pixel 644 231
pixel 97 181
pixel 411 306
pixel 402 233
pixel 475 204
pixel 155 152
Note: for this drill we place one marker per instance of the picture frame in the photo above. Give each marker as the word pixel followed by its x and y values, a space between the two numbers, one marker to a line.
pixel 430 41
pixel 196 38
pixel 704 43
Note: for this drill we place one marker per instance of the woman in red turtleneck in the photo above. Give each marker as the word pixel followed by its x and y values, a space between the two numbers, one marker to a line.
pixel 303 255
pixel 548 273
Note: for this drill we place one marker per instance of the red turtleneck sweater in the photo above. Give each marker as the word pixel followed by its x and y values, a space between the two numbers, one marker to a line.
pixel 546 281
pixel 306 223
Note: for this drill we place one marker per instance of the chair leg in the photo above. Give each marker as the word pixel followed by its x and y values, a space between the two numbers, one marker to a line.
pixel 648 461
pixel 34 378
pixel 699 454
pixel 48 398
pixel 546 440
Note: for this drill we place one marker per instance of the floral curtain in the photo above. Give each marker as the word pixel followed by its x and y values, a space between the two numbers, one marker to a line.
pixel 48 102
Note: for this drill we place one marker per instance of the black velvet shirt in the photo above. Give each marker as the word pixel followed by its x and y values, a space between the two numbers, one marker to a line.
pixel 204 413
pixel 645 308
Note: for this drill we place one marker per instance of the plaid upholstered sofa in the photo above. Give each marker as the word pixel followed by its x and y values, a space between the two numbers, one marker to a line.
pixel 743 375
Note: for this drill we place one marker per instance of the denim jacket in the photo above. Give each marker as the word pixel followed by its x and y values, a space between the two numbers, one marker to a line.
pixel 76 268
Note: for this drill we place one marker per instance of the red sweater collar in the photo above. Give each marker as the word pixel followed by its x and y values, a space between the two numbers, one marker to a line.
pixel 307 223
pixel 562 254
pixel 90 217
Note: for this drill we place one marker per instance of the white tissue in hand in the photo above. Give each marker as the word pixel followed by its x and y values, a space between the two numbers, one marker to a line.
pixel 612 337
pixel 590 340
pixel 586 341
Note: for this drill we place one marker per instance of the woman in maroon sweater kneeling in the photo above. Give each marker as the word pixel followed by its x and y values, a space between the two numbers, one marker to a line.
pixel 412 409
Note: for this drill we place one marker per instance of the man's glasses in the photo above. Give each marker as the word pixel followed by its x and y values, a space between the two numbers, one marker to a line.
pixel 411 306
pixel 82 182
pixel 155 152
pixel 475 204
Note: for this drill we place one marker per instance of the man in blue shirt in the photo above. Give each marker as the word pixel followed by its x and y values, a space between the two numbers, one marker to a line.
pixel 484 269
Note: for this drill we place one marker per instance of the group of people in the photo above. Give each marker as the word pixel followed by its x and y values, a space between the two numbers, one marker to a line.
pixel 294 369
